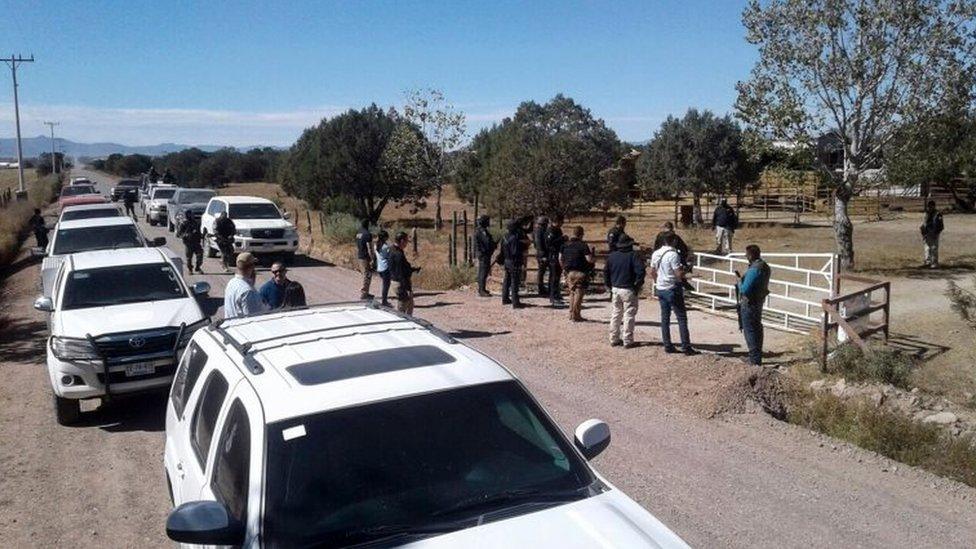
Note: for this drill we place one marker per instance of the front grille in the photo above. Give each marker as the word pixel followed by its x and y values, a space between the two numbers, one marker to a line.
pixel 120 377
pixel 267 233
pixel 114 347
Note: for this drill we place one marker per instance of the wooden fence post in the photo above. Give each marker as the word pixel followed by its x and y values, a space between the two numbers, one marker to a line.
pixel 450 247
pixel 454 236
pixel 464 228
pixel 413 237
pixel 308 217
pixel 322 221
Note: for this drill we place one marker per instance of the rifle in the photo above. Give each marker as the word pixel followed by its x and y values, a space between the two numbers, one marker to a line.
pixel 738 306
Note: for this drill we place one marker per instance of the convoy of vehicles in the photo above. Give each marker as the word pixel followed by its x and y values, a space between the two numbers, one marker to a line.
pixel 186 200
pixel 80 194
pixel 261 228
pixel 158 203
pixel 118 320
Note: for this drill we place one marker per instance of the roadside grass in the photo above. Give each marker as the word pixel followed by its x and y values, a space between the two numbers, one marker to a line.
pixel 13 218
pixel 890 434
pixel 880 364
pixel 442 277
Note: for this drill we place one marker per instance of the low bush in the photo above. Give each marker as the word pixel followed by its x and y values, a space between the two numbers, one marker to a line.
pixel 444 278
pixel 879 364
pixel 890 434
pixel 341 228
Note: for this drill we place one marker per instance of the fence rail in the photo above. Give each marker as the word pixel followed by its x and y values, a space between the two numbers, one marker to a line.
pixel 851 314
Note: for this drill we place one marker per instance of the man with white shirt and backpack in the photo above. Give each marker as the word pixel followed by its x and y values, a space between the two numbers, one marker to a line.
pixel 668 273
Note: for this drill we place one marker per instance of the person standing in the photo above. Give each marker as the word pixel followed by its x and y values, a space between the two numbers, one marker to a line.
pixel 725 221
pixel 577 261
pixel 753 289
pixel 667 272
pixel 514 245
pixel 189 232
pixel 240 297
pixel 624 277
pixel 484 246
pixel 683 252
pixel 224 232
pixel 555 240
pixel 616 232
pixel 541 253
pixel 383 265
pixel 364 255
pixel 129 200
pixel 39 228
pixel 932 227
pixel 402 273
pixel 282 292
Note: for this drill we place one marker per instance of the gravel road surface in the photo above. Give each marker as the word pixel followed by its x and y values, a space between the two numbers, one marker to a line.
pixel 740 480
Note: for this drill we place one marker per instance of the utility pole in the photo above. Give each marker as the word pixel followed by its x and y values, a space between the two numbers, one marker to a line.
pixel 12 62
pixel 54 162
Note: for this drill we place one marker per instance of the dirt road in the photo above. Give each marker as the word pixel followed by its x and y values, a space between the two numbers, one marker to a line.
pixel 738 481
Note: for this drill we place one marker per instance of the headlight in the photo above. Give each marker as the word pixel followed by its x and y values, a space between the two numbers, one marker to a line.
pixel 70 348
pixel 190 330
pixel 244 232
pixel 291 233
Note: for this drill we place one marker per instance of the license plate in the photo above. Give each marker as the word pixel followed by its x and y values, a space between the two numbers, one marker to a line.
pixel 134 370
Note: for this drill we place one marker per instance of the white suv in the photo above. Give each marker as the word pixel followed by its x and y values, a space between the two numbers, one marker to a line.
pixel 348 424
pixel 261 228
pixel 119 319
pixel 158 203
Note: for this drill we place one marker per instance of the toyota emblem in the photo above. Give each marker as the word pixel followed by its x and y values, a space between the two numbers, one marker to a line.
pixel 137 342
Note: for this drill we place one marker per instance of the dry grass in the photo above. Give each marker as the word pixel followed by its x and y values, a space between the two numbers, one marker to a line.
pixel 13 218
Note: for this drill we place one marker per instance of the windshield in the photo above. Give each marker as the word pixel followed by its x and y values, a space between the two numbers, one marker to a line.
pixel 195 197
pixel 163 193
pixel 336 477
pixel 77 190
pixel 118 285
pixel 69 241
pixel 71 215
pixel 128 183
pixel 254 211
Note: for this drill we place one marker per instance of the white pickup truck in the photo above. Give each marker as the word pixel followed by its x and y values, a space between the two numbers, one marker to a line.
pixel 261 228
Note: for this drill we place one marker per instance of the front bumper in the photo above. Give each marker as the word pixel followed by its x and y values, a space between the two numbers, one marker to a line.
pixel 157 214
pixel 87 376
pixel 265 245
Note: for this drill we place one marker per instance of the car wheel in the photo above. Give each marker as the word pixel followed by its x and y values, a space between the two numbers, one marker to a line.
pixel 151 222
pixel 67 410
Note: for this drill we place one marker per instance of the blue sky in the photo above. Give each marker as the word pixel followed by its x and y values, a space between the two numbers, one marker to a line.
pixel 243 73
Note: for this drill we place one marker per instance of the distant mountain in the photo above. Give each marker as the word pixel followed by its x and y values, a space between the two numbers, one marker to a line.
pixel 33 146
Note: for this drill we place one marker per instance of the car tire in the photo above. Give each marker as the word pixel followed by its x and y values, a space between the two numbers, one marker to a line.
pixel 67 410
pixel 151 222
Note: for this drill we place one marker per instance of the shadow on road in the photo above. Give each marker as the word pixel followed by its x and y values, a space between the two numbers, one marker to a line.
pixel 22 339
pixel 476 334
pixel 145 412
pixel 209 304
pixel 437 304
pixel 19 265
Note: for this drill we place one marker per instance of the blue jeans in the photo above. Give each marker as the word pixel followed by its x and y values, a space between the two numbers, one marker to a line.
pixel 752 329
pixel 674 300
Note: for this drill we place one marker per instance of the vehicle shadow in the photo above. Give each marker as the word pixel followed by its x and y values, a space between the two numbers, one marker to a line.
pixel 437 304
pixel 22 339
pixel 307 261
pixel 209 304
pixel 24 262
pixel 475 334
pixel 144 412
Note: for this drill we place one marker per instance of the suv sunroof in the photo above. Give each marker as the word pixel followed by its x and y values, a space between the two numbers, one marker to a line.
pixel 368 363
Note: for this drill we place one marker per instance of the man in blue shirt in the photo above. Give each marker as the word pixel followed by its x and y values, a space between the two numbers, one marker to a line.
pixel 240 297
pixel 281 292
pixel 753 289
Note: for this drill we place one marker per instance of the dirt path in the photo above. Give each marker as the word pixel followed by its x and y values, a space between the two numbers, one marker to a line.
pixel 740 480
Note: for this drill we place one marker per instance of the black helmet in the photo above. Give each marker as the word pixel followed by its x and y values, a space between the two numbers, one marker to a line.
pixel 483 221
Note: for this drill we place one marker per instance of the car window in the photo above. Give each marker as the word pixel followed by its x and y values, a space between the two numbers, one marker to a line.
pixel 230 472
pixel 69 241
pixel 110 286
pixel 163 194
pixel 205 415
pixel 254 211
pixel 220 207
pixel 77 190
pixel 72 215
pixel 194 197
pixel 194 359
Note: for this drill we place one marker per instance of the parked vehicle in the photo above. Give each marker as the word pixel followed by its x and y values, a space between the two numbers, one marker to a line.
pixel 158 203
pixel 81 181
pixel 80 194
pixel 186 200
pixel 89 211
pixel 119 319
pixel 261 228
pixel 349 424
pixel 124 186
pixel 105 233
pixel 147 195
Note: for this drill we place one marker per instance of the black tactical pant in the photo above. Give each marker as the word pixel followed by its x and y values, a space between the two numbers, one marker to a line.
pixel 555 276
pixel 193 250
pixel 226 246
pixel 543 263
pixel 510 285
pixel 484 268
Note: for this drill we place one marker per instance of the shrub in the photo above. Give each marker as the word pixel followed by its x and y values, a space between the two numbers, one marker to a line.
pixel 341 228
pixel 879 364
pixel 963 302
pixel 342 203
pixel 445 278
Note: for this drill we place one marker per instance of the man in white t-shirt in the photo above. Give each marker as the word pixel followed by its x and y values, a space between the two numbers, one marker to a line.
pixel 668 272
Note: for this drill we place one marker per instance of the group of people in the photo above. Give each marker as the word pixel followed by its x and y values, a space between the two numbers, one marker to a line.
pixel 389 261
pixel 242 297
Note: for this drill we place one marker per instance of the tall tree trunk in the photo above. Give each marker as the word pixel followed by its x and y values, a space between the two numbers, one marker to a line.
pixel 698 219
pixel 843 229
pixel 438 222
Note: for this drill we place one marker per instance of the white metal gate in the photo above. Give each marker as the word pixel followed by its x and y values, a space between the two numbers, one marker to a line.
pixel 797 285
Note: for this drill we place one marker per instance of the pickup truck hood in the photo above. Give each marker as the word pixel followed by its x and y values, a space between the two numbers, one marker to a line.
pixel 81 199
pixel 610 519
pixel 124 318
pixel 262 224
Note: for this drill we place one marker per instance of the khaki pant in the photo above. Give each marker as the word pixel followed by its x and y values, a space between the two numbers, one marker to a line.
pixel 576 280
pixel 723 240
pixel 931 250
pixel 624 310
pixel 404 299
pixel 366 268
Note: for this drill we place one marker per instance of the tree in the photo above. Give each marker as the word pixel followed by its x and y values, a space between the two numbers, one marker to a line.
pixel 859 68
pixel 347 156
pixel 422 152
pixel 697 154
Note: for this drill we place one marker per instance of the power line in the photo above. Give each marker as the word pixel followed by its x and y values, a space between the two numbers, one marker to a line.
pixel 12 62
pixel 54 157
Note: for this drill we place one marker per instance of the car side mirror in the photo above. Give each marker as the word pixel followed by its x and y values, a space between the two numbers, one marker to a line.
pixel 44 304
pixel 286 215
pixel 201 288
pixel 204 523
pixel 592 438
pixel 159 241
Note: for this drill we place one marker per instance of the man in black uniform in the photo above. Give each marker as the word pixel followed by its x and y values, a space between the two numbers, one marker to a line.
pixel 129 199
pixel 484 246
pixel 189 233
pixel 40 228
pixel 168 177
pixel 364 255
pixel 224 231
pixel 514 245
pixel 616 232
pixel 402 272
pixel 554 246
pixel 541 252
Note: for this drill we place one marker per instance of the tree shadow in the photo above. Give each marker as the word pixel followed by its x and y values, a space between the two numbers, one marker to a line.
pixel 476 334
pixel 127 413
pixel 25 262
pixel 23 339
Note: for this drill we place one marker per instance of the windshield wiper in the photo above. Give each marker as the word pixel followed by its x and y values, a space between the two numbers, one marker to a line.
pixel 379 535
pixel 511 497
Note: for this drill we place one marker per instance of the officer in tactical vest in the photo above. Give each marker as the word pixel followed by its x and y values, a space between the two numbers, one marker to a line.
pixel 189 232
pixel 753 289
pixel 484 245
pixel 541 253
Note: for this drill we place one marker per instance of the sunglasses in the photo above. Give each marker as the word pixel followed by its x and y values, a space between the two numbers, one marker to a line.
pixel 279 271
